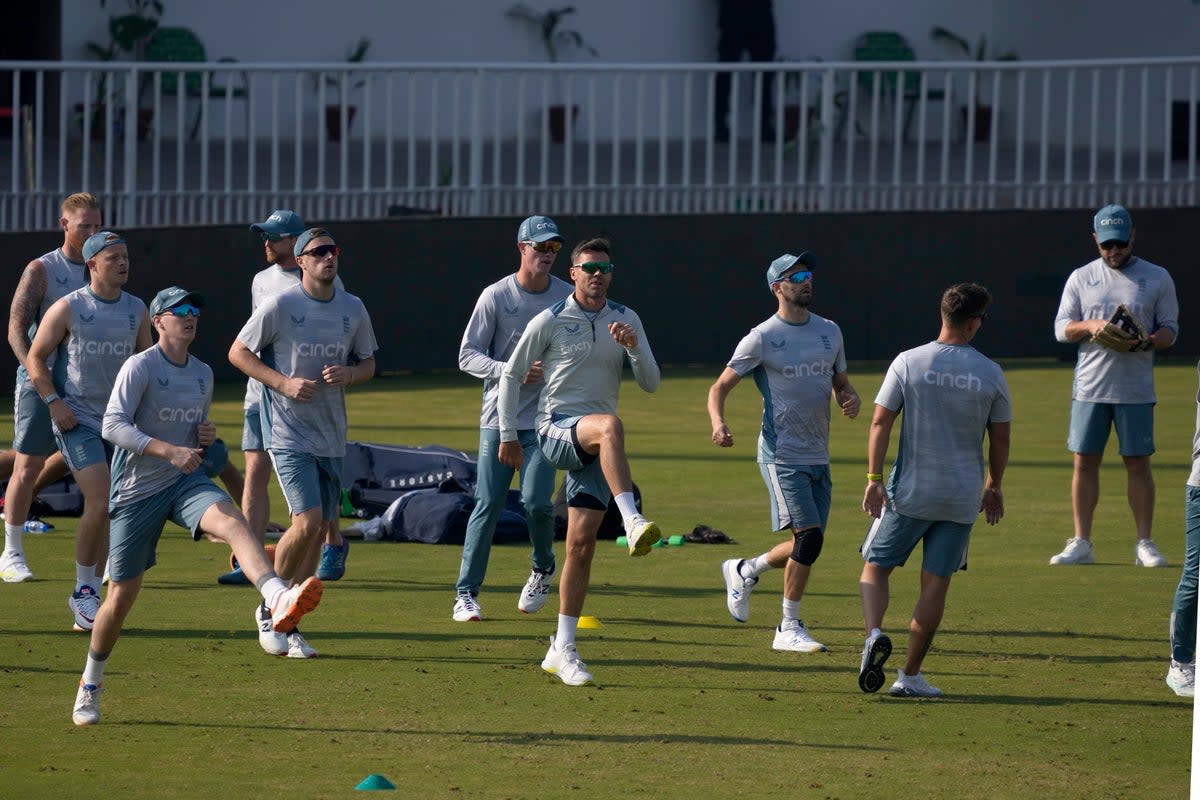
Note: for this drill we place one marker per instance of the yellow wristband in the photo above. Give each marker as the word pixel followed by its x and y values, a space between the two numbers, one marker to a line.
pixel 874 476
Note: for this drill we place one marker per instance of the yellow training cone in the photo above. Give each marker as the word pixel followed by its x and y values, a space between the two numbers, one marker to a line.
pixel 590 622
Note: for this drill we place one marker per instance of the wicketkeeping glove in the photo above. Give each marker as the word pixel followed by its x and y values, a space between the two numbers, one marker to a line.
pixel 1123 333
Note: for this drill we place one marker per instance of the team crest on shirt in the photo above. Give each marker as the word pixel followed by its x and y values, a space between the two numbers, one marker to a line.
pixel 825 341
pixel 345 324
pixel 571 328
pixel 780 345
pixel 132 322
pixel 163 382
pixel 87 319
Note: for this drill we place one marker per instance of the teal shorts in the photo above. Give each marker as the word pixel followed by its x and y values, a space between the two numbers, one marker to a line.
pixel 586 486
pixel 134 528
pixel 894 536
pixel 256 430
pixel 33 435
pixel 1091 423
pixel 800 495
pixel 309 481
pixel 83 447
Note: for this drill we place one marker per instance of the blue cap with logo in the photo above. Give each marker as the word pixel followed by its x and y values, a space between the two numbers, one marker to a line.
pixel 173 296
pixel 786 262
pixel 98 241
pixel 282 222
pixel 1112 223
pixel 306 237
pixel 538 229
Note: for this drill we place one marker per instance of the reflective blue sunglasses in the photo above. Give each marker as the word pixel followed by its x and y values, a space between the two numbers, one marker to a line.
pixel 184 310
pixel 799 277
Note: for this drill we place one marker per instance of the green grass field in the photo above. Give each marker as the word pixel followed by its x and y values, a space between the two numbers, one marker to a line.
pixel 1053 677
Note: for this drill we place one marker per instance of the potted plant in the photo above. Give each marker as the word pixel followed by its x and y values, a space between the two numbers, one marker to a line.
pixel 983 111
pixel 341 84
pixel 128 34
pixel 553 36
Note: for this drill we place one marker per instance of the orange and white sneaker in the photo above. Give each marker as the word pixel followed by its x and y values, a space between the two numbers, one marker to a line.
pixel 291 606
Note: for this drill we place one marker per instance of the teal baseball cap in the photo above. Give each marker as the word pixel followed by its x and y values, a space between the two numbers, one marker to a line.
pixel 173 296
pixel 282 222
pixel 786 262
pixel 303 239
pixel 1112 223
pixel 538 229
pixel 98 241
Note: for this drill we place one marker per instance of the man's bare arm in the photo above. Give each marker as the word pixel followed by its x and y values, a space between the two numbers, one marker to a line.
pixel 25 303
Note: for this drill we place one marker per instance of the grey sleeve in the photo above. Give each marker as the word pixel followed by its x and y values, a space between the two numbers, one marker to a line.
pixel 473 352
pixel 641 359
pixel 118 426
pixel 1069 310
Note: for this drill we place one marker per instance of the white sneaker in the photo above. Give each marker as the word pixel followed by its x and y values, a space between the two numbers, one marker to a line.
pixel 641 534
pixel 1146 554
pixel 1182 679
pixel 13 568
pixel 466 609
pixel 795 638
pixel 1077 551
pixel 737 589
pixel 84 605
pixel 87 705
pixel 272 643
pixel 566 665
pixel 876 650
pixel 298 647
pixel 535 592
pixel 912 686
pixel 291 606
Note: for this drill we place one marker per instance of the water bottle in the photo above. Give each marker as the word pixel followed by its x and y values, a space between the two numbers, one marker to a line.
pixel 37 526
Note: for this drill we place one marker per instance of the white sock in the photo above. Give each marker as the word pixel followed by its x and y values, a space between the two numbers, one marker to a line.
pixel 626 505
pixel 271 590
pixel 13 538
pixel 791 610
pixel 874 632
pixel 93 672
pixel 566 631
pixel 753 567
pixel 84 575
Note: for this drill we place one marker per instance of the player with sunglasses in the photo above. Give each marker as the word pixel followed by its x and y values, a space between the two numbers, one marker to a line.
pixel 312 331
pixel 157 418
pixel 582 344
pixel 798 361
pixel 500 316
pixel 1114 388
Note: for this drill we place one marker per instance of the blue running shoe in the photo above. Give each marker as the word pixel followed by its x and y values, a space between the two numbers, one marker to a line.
pixel 333 561
pixel 234 577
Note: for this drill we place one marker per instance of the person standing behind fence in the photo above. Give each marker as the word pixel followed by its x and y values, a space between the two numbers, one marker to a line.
pixel 583 343
pixel 798 361
pixel 746 26
pixel 950 396
pixel 310 332
pixel 99 327
pixel 500 316
pixel 45 279
pixel 1112 388
pixel 1181 674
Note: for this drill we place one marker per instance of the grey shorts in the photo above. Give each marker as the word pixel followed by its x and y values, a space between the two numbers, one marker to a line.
pixel 134 528
pixel 33 435
pixel 800 495
pixel 894 536
pixel 256 430
pixel 560 446
pixel 83 447
pixel 309 481
pixel 1092 422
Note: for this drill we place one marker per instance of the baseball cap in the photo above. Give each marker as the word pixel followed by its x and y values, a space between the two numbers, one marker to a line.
pixel 98 241
pixel 281 223
pixel 1112 223
pixel 172 296
pixel 538 229
pixel 306 237
pixel 786 262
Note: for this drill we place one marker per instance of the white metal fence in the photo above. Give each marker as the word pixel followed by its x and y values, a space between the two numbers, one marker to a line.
pixel 171 143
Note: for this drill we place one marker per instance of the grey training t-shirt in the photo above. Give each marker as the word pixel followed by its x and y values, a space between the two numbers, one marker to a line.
pixel 103 336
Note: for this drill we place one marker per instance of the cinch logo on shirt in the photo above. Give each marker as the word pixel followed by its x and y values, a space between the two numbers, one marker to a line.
pixel 108 348
pixel 337 350
pixel 181 415
pixel 807 370
pixel 970 381
pixel 568 349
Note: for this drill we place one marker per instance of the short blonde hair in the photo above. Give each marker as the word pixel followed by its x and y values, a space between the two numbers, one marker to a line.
pixel 81 200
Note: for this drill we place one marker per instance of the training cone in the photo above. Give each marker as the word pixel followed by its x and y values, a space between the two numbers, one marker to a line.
pixel 675 541
pixel 375 782
pixel 590 622
pixel 622 541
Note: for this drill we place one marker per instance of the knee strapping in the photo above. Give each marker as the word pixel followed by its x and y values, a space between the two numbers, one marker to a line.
pixel 806 546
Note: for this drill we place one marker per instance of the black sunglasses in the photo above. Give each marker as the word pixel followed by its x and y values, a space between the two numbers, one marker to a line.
pixel 1114 243
pixel 323 250
pixel 273 237
pixel 592 267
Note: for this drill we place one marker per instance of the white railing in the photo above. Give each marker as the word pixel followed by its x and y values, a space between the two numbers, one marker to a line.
pixel 482 139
